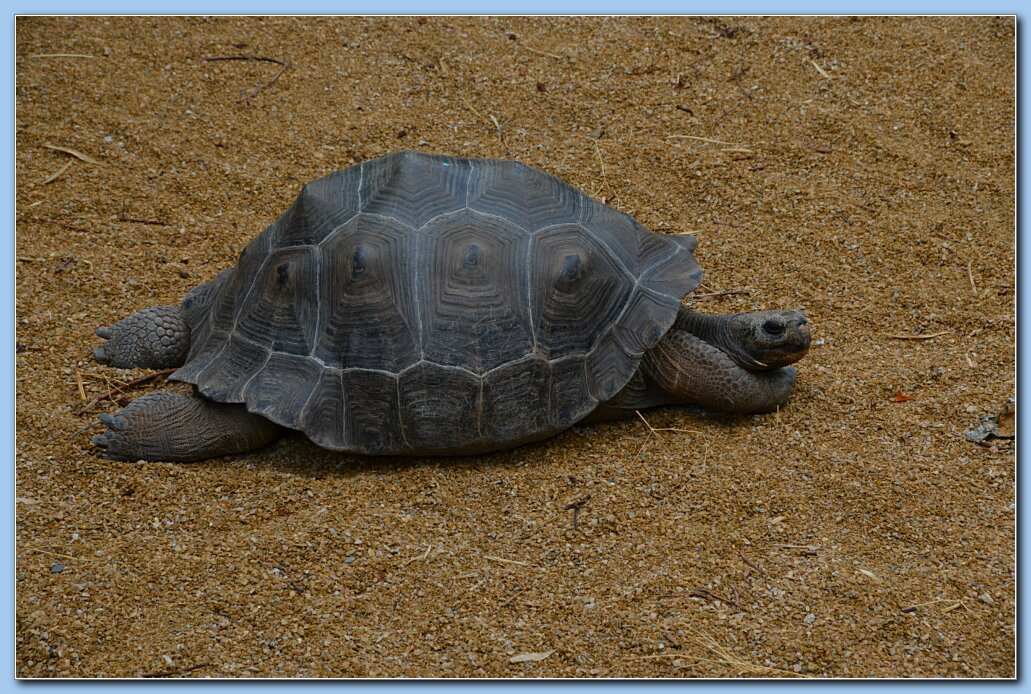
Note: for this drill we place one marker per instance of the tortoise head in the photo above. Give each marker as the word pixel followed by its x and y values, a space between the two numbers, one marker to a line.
pixel 767 340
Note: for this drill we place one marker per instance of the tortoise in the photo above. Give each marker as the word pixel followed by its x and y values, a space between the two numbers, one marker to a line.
pixel 419 304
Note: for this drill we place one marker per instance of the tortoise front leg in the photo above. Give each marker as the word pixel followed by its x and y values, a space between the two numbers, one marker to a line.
pixel 154 338
pixel 692 371
pixel 167 426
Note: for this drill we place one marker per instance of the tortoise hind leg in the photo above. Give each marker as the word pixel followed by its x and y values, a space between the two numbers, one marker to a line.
pixel 154 338
pixel 640 393
pixel 171 427
pixel 692 371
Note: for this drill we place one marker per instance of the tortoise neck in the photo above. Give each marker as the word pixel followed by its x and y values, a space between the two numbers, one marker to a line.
pixel 716 330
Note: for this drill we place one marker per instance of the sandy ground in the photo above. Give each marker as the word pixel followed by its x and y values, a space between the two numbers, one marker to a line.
pixel 860 168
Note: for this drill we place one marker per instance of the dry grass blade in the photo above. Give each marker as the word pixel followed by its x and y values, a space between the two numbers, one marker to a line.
pixel 530 657
pixel 651 429
pixel 726 657
pixel 948 603
pixel 656 431
pixel 74 152
pixel 820 69
pixel 61 55
pixel 122 389
pixel 57 174
pixel 505 561
pixel 421 557
pixel 916 337
pixel 47 552
pixel 702 139
pixel 538 52
pixel 82 389
pixel 473 109
pixel 726 292
pixel 601 162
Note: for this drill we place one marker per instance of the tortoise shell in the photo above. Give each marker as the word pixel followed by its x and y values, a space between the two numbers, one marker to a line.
pixel 426 304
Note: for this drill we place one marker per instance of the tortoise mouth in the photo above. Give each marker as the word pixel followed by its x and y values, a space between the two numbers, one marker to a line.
pixel 787 350
pixel 781 355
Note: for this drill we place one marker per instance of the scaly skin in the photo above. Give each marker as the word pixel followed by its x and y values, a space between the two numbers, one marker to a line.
pixel 733 363
pixel 155 338
pixel 166 426
pixel 694 372
pixel 171 427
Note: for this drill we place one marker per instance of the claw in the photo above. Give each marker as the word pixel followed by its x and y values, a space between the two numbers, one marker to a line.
pixel 112 421
pixel 104 333
pixel 100 355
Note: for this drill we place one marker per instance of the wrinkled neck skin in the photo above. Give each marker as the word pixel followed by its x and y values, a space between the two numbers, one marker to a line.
pixel 723 332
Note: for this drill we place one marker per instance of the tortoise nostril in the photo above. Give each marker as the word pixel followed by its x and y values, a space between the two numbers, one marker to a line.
pixel 775 328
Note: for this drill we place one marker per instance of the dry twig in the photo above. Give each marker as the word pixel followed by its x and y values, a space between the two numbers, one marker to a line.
pixel 709 595
pixel 120 390
pixel 916 337
pixel 175 671
pixel 253 91
pixel 575 508
pixel 754 566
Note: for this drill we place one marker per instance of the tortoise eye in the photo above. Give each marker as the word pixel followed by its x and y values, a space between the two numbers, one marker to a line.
pixel 773 327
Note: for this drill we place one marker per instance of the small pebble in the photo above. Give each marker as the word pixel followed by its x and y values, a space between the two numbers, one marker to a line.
pixel 809 618
pixel 58 567
pixel 349 560
pixel 986 598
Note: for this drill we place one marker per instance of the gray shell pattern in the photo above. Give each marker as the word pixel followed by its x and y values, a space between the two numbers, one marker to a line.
pixel 420 304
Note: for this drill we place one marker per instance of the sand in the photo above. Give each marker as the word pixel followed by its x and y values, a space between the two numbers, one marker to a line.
pixel 861 169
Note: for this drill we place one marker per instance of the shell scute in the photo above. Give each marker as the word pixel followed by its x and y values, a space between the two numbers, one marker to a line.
pixel 426 304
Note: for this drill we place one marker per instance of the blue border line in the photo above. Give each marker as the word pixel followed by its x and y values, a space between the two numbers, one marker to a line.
pixel 7 317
